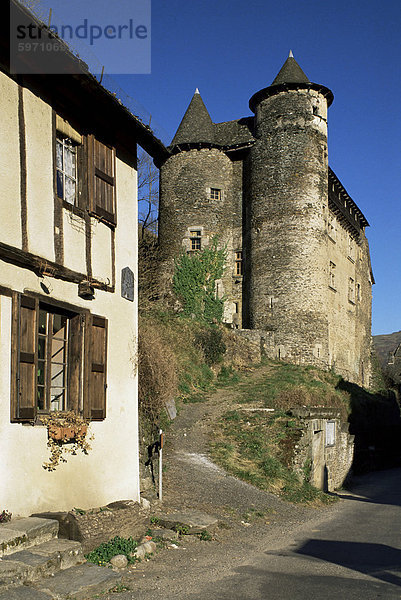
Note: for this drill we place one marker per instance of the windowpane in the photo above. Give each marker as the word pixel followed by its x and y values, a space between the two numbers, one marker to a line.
pixel 42 321
pixel 41 372
pixel 59 155
pixel 41 348
pixel 41 398
pixel 60 185
pixel 70 190
pixel 69 160
pixel 57 402
pixel 66 169
pixel 60 326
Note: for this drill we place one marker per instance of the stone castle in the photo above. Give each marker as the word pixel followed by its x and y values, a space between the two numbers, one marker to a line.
pixel 298 269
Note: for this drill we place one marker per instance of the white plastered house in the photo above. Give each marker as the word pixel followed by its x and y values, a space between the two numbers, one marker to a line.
pixel 68 295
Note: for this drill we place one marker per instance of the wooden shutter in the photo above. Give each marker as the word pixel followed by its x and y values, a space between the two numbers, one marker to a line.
pixel 24 357
pixel 101 180
pixel 96 368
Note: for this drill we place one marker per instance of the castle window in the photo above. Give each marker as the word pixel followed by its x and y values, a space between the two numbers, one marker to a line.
pixel 351 249
pixel 351 290
pixel 332 227
pixel 195 236
pixel 238 268
pixel 332 275
pixel 215 194
pixel 358 292
pixel 236 308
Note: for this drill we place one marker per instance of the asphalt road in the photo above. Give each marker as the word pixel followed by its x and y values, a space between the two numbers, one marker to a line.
pixel 357 554
pixel 352 551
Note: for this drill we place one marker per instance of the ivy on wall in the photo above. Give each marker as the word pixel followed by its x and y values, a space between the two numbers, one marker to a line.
pixel 194 282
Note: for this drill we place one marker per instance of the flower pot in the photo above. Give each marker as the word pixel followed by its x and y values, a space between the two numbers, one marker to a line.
pixel 66 433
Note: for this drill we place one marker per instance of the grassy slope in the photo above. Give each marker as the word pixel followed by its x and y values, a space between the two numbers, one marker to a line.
pixel 258 446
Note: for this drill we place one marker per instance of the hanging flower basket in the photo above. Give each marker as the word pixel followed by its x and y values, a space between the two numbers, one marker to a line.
pixel 64 434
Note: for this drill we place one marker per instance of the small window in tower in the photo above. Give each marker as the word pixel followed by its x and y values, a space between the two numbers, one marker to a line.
pixel 351 249
pixel 236 308
pixel 196 239
pixel 332 227
pixel 332 275
pixel 358 292
pixel 215 194
pixel 238 268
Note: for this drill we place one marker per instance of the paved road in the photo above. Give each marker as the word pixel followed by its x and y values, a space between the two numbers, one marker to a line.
pixel 352 552
pixel 355 555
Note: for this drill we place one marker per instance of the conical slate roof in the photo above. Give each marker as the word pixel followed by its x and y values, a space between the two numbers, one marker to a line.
pixel 196 125
pixel 291 72
pixel 290 76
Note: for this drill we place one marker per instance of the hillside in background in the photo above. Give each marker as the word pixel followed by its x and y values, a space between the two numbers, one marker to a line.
pixel 386 343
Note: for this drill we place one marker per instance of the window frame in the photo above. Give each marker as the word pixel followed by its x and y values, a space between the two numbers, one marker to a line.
pixel 79 373
pixel 238 263
pixel 195 239
pixel 66 143
pixel 215 193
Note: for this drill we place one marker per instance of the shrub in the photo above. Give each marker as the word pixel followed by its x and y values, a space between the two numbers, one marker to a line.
pixel 157 371
pixel 210 341
pixel 118 545
pixel 194 282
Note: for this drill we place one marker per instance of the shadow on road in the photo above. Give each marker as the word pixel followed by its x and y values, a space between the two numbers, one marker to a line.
pixel 377 560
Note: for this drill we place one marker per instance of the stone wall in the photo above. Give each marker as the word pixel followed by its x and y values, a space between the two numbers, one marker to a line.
pixel 325 450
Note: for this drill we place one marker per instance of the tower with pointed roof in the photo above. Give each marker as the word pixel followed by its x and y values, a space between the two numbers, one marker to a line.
pixel 298 269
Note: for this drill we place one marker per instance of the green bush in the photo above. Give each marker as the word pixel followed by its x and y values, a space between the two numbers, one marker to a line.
pixel 194 282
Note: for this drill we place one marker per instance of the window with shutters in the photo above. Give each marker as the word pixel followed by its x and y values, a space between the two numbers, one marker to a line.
pixel 101 180
pixel 58 360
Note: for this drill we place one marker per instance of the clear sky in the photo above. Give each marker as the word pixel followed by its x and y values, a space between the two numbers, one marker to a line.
pixel 229 49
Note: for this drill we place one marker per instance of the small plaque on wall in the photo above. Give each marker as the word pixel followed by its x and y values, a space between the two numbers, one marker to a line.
pixel 127 284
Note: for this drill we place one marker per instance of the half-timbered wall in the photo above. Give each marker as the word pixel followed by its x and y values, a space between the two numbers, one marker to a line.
pixel 47 251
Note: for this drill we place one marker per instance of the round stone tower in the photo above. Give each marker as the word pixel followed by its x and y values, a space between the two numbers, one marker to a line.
pixel 287 199
pixel 197 193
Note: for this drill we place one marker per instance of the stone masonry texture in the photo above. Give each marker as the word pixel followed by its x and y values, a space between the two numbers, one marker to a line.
pixel 263 186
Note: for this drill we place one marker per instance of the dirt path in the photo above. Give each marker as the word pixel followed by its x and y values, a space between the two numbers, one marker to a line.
pixel 192 480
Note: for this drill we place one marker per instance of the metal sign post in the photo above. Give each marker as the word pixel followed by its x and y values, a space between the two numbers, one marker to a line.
pixel 161 465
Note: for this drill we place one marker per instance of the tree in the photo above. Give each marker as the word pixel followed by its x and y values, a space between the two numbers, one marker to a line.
pixel 148 193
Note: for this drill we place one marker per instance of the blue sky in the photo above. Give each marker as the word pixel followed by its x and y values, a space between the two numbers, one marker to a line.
pixel 229 49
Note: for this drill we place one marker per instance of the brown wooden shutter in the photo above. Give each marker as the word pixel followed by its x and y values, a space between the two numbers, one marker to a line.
pixel 96 368
pixel 101 180
pixel 24 357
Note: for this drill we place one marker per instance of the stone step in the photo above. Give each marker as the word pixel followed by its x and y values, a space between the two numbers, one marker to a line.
pixel 21 534
pixel 80 583
pixel 28 566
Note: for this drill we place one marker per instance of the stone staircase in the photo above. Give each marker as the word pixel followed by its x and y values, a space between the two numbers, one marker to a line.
pixel 36 565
